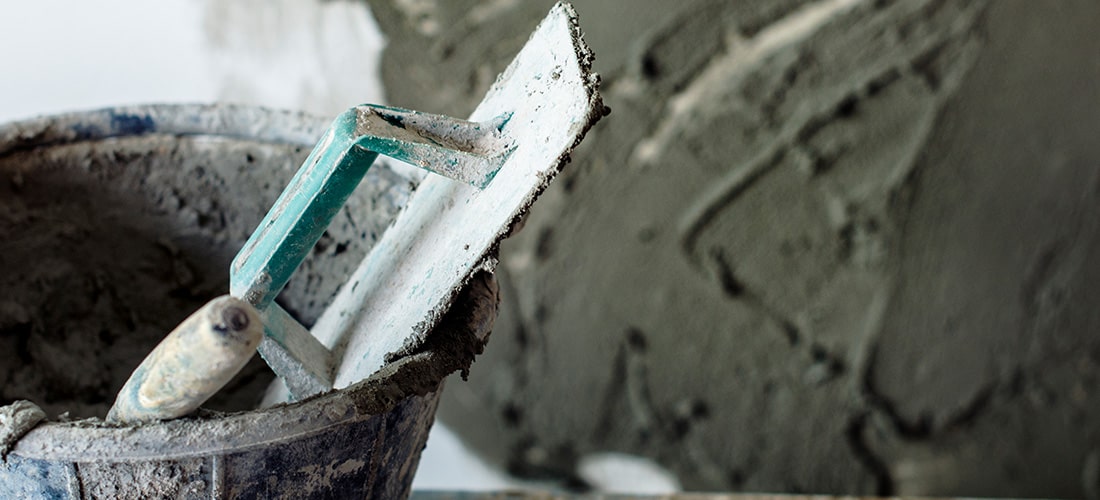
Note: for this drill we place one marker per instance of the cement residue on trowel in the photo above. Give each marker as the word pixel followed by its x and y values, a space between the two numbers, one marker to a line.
pixel 450 230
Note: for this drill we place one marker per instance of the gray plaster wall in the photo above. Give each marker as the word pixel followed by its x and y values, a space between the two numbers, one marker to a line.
pixel 834 246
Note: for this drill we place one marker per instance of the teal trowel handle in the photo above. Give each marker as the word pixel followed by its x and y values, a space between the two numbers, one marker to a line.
pixel 465 151
pixel 461 150
pixel 301 214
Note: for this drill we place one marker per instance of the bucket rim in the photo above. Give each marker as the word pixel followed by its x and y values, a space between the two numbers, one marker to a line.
pixel 234 121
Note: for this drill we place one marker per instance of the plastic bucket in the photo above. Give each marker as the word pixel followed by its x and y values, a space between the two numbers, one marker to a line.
pixel 116 224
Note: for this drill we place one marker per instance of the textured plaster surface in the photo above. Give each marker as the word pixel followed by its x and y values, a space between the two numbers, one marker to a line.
pixel 833 246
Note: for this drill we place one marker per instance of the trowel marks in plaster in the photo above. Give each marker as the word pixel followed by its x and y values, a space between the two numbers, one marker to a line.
pixel 797 192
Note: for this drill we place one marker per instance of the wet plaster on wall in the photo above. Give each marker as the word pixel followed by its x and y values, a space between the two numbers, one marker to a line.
pixel 835 246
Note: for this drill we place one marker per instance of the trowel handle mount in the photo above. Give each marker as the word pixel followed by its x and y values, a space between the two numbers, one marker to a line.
pixel 466 151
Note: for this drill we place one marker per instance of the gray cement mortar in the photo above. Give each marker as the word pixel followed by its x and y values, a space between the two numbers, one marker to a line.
pixel 832 246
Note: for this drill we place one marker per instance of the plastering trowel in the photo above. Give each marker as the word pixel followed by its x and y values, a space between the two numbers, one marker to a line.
pixel 491 168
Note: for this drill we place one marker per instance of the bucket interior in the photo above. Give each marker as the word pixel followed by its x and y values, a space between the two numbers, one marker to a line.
pixel 106 245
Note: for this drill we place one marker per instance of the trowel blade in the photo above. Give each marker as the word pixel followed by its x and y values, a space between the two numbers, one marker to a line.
pixel 449 230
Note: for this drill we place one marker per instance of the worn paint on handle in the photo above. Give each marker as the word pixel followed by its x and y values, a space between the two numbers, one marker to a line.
pixel 192 363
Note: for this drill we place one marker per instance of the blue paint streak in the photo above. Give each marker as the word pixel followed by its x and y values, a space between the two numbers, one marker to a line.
pixel 28 478
pixel 127 124
pixel 85 131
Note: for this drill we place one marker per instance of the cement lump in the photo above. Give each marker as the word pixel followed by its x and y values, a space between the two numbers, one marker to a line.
pixel 17 419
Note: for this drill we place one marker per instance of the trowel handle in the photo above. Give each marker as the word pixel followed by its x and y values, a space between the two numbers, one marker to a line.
pixel 465 151
pixel 458 149
pixel 301 215
pixel 191 364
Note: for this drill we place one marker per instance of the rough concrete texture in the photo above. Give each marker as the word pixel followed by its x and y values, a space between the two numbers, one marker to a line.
pixel 835 246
